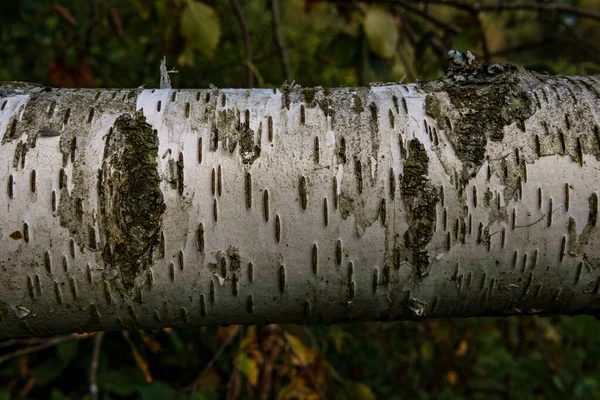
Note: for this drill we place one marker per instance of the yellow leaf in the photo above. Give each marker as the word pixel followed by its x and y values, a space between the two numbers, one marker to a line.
pixel 442 333
pixel 153 344
pixel 65 14
pixel 201 27
pixel 494 30
pixel 359 391
pixel 305 354
pixel 463 346
pixel 381 31
pixel 427 350
pixel 225 333
pixel 339 337
pixel 139 360
pixel 250 338
pixel 551 335
pixel 248 367
pixel 298 388
pixel 210 380
pixel 452 377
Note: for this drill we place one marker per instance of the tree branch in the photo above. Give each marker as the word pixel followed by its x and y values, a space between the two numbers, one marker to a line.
pixel 471 7
pixel 42 346
pixel 246 38
pixel 279 41
pixel 94 365
pixel 299 205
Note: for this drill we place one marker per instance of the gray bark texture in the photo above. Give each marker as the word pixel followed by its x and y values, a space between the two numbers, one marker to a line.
pixel 472 195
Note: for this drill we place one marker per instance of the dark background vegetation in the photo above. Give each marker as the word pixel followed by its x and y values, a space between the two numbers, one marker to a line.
pixel 229 43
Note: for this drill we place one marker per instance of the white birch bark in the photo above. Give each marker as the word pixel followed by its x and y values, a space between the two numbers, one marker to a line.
pixel 473 195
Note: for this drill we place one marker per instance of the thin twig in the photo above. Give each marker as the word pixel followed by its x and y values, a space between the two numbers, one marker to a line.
pixel 246 38
pixel 85 34
pixel 527 47
pixel 49 343
pixel 194 386
pixel 428 17
pixel 573 41
pixel 534 6
pixel 234 382
pixel 471 6
pixel 89 30
pixel 304 366
pixel 259 78
pixel 29 385
pixel 279 41
pixel 27 341
pixel 581 41
pixel 448 27
pixel 484 45
pixel 94 366
pixel 408 65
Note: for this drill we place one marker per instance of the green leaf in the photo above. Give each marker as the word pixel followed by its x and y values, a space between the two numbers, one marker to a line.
pixel 381 67
pixel 67 350
pixel 381 32
pixel 156 391
pixel 53 367
pixel 344 51
pixel 201 396
pixel 248 367
pixel 427 350
pixel 201 27
pixel 58 395
pixel 48 370
pixel 588 386
pixel 123 382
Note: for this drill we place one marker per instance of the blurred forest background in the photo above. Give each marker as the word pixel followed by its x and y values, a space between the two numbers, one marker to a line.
pixel 262 43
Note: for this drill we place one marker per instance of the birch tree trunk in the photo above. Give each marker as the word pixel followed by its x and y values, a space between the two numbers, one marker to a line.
pixel 472 195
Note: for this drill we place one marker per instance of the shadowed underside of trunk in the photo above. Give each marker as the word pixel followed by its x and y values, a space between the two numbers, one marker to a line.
pixel 472 195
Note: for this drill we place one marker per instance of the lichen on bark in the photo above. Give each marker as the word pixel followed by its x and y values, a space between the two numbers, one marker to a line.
pixel 132 203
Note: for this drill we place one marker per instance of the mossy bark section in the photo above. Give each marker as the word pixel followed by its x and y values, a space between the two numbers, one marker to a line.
pixel 132 203
pixel 420 197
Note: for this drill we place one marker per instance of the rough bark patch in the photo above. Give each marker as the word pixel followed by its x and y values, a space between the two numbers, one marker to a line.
pixel 483 100
pixel 421 197
pixel 132 203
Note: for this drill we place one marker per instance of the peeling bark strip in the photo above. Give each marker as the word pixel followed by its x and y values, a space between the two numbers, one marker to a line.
pixel 476 194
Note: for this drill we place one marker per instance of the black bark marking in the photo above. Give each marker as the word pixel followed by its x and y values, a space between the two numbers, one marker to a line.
pixel 248 190
pixel 358 174
pixel 315 258
pixel 266 205
pixel 303 188
pixel 281 279
pixel 277 228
